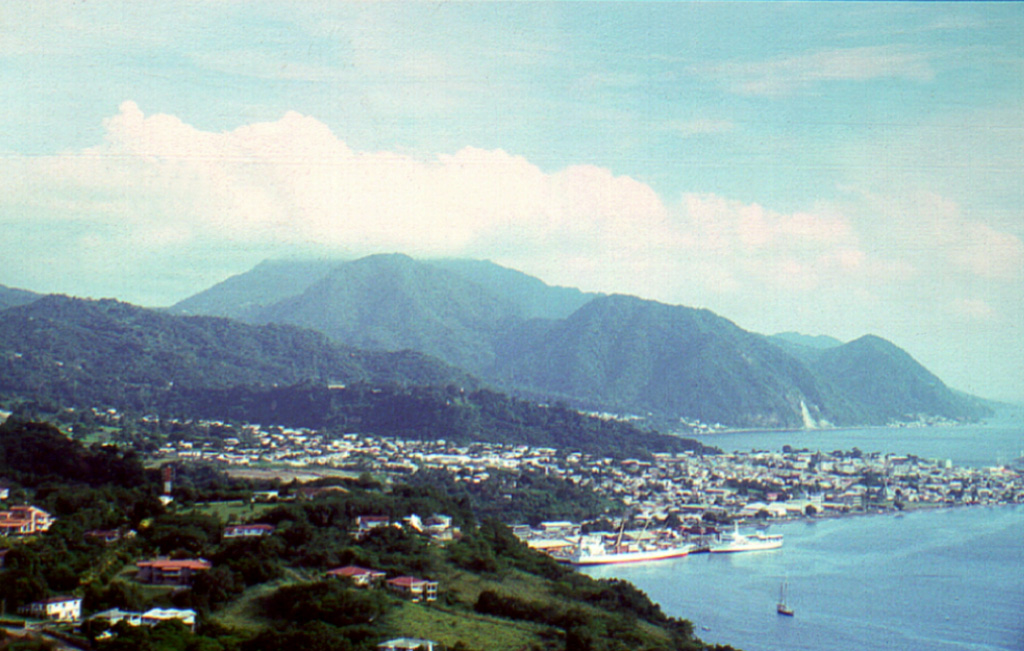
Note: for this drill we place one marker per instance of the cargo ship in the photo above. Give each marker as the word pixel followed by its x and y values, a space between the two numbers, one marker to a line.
pixel 596 552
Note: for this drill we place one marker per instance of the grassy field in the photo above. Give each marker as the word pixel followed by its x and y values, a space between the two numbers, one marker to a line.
pixel 241 614
pixel 449 626
pixel 466 587
pixel 103 434
pixel 233 511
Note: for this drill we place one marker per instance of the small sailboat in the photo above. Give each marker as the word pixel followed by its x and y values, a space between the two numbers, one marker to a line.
pixel 782 608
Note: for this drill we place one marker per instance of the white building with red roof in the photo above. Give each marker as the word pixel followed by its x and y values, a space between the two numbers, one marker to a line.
pixel 24 521
pixel 413 588
pixel 360 576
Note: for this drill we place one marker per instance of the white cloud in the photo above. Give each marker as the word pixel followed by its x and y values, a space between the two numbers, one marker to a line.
pixel 783 75
pixel 936 235
pixel 156 181
pixel 293 182
pixel 759 247
pixel 159 187
pixel 988 253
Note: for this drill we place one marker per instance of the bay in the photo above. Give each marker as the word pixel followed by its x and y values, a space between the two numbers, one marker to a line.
pixel 944 580
pixel 948 579
pixel 997 440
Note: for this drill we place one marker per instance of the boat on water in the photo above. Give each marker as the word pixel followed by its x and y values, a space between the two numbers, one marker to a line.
pixel 737 542
pixel 782 607
pixel 597 552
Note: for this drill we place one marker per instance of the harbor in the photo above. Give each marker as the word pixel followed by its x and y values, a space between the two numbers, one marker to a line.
pixel 942 580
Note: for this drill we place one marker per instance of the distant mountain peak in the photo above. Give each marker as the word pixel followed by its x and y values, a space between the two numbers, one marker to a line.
pixel 819 342
pixel 11 297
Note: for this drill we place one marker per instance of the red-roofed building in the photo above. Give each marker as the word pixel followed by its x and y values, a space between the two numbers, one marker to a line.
pixel 360 576
pixel 24 521
pixel 414 588
pixel 367 523
pixel 163 571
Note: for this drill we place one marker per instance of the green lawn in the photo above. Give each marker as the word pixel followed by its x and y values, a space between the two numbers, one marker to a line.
pixel 233 511
pixel 449 626
pixel 242 614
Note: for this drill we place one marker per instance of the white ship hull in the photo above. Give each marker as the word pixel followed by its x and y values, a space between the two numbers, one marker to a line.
pixel 737 543
pixel 613 558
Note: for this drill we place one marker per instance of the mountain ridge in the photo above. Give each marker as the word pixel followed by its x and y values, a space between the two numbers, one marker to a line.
pixel 12 297
pixel 611 353
pixel 669 362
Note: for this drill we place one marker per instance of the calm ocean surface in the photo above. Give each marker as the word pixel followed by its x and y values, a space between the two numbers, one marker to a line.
pixel 944 580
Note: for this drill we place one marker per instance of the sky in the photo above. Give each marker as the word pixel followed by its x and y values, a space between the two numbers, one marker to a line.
pixel 826 168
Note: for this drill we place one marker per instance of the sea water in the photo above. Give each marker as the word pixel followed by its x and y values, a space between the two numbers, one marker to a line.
pixel 998 440
pixel 943 580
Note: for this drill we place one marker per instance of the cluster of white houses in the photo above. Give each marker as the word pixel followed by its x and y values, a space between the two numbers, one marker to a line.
pixel 69 609
pixel 151 617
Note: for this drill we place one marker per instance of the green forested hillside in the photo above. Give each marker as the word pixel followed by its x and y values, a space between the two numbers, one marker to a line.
pixel 874 372
pixel 533 298
pixel 614 353
pixel 242 296
pixel 9 297
pixel 272 592
pixel 66 352
pixel 77 352
pixel 392 302
pixel 645 356
pixel 428 413
pixel 620 354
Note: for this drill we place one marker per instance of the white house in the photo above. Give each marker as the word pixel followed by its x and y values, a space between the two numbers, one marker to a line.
pixel 408 644
pixel 58 609
pixel 248 530
pixel 24 520
pixel 149 618
pixel 154 616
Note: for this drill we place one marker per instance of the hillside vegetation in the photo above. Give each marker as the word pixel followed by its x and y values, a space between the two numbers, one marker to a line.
pixel 76 352
pixel 272 592
pixel 429 413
